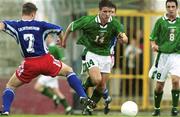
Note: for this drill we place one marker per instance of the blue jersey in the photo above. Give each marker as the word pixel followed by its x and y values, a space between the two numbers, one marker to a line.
pixel 31 35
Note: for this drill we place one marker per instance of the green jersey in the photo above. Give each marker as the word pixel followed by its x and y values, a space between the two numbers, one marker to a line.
pixel 166 34
pixel 56 52
pixel 96 37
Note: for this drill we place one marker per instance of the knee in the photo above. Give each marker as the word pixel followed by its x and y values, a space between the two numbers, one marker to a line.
pixel 159 87
pixel 37 87
pixel 67 70
pixel 97 81
pixel 175 83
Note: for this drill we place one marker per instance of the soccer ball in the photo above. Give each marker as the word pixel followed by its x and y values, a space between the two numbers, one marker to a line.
pixel 129 108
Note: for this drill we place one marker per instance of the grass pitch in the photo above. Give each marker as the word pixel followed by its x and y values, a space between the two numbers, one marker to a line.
pixel 143 115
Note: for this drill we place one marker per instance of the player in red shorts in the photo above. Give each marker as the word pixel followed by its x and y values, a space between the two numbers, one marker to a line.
pixel 30 35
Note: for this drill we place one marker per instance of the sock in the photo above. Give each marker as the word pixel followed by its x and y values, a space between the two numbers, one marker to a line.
pixel 96 96
pixel 175 97
pixel 88 83
pixel 105 93
pixel 8 97
pixel 64 103
pixel 75 83
pixel 157 99
pixel 47 92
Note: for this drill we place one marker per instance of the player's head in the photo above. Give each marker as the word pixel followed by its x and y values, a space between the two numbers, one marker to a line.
pixel 113 10
pixel 105 9
pixel 29 9
pixel 171 7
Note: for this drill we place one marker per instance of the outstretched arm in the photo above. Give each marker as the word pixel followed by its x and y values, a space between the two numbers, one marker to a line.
pixel 2 26
pixel 68 31
pixel 122 37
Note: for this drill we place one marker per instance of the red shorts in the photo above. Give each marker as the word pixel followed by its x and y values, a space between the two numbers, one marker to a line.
pixel 30 68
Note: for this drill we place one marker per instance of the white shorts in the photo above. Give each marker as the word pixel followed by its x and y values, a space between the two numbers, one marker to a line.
pixel 95 60
pixel 165 64
pixel 48 81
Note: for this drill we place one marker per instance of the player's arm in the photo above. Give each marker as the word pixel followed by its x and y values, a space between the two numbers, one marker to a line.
pixel 60 40
pixel 66 34
pixel 154 46
pixel 2 25
pixel 122 37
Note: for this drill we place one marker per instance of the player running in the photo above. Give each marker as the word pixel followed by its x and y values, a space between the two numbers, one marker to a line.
pixel 98 31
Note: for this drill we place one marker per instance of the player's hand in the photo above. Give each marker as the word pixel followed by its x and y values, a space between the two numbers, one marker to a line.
pixel 122 38
pixel 155 47
pixel 60 43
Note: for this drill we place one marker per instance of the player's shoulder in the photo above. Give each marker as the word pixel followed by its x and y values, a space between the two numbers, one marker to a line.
pixel 115 21
pixel 87 18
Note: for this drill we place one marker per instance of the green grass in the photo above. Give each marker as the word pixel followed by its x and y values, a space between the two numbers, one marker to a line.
pixel 148 115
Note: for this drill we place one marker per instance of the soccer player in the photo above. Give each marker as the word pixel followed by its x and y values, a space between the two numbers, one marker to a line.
pixel 49 86
pixel 30 34
pixel 87 83
pixel 98 32
pixel 165 40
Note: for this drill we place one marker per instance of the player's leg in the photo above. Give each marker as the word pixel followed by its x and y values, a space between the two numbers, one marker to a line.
pixel 175 94
pixel 107 98
pixel 59 97
pixel 75 83
pixel 99 72
pixel 90 65
pixel 62 100
pixel 105 69
pixel 88 83
pixel 95 75
pixel 158 97
pixel 158 72
pixel 9 93
pixel 41 87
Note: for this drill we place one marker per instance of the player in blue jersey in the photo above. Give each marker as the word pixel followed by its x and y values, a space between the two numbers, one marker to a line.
pixel 30 36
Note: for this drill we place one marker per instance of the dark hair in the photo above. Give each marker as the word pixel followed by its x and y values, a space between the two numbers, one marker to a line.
pixel 114 6
pixel 172 1
pixel 28 8
pixel 105 3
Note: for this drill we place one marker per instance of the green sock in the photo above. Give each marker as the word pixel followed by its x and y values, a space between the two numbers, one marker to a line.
pixel 64 103
pixel 175 97
pixel 47 92
pixel 157 99
pixel 96 96
pixel 88 83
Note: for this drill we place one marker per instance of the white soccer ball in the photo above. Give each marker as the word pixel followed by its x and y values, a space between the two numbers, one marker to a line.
pixel 129 108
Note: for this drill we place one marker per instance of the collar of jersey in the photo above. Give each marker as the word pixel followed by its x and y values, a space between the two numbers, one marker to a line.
pixel 27 20
pixel 166 18
pixel 97 19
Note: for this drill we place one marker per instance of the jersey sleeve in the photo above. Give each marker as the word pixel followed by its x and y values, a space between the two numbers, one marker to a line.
pixel 155 31
pixel 119 27
pixel 80 23
pixel 11 28
pixel 51 28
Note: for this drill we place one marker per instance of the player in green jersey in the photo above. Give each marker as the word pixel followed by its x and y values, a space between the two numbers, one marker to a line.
pixel 98 32
pixel 88 82
pixel 164 39
pixel 49 86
